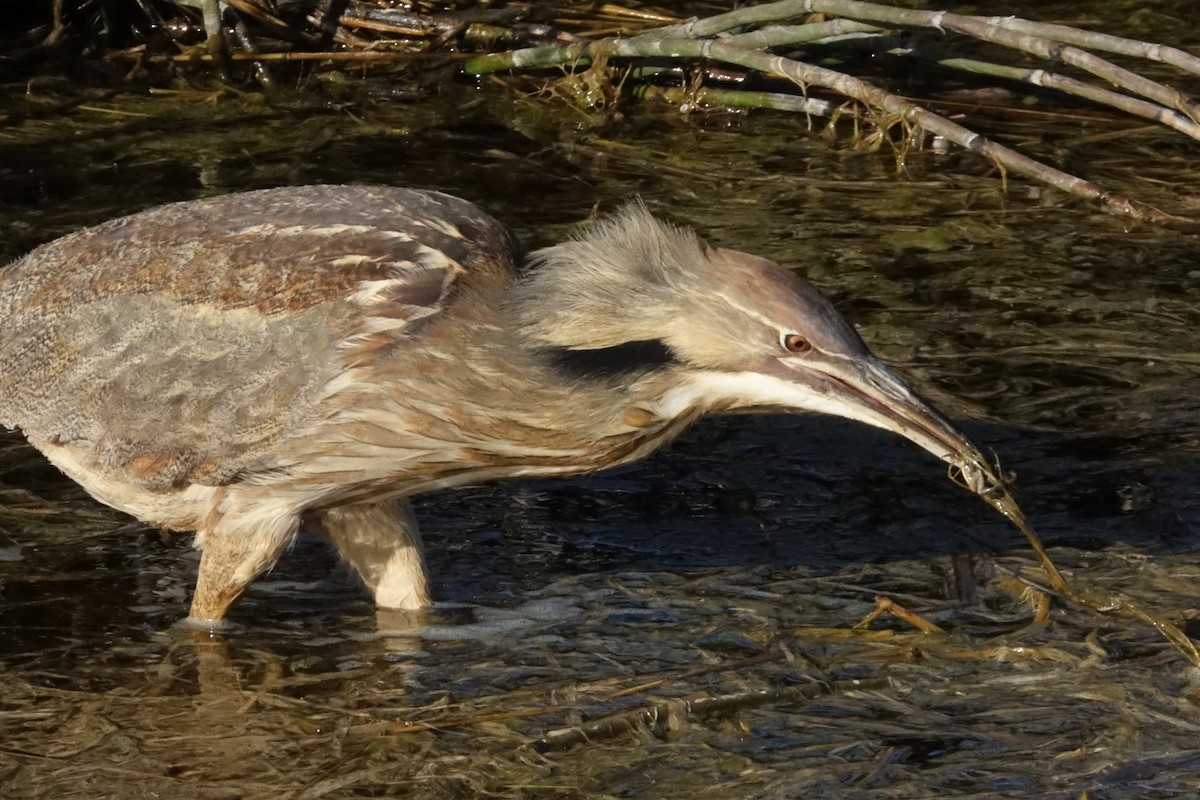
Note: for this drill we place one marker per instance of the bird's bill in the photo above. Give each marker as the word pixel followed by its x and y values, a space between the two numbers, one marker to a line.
pixel 872 393
pixel 862 389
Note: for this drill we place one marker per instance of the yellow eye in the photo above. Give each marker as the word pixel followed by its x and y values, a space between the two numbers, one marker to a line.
pixel 795 343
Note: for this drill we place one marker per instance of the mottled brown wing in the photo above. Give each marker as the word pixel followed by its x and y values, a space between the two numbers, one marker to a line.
pixel 178 345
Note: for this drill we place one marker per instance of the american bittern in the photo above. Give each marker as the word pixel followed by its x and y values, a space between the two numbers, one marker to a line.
pixel 237 365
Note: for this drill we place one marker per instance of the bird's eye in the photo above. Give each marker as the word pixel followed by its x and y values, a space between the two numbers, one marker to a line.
pixel 795 343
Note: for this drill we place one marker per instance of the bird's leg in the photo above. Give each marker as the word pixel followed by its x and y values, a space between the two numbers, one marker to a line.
pixel 232 555
pixel 382 543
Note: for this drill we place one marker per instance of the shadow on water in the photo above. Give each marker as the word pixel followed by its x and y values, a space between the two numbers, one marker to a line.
pixel 733 564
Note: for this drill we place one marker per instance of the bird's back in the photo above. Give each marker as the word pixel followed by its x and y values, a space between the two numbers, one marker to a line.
pixel 178 345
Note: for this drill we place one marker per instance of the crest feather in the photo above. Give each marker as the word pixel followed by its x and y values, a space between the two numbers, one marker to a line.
pixel 613 283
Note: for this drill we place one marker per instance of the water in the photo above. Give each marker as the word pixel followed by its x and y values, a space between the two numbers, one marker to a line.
pixel 732 564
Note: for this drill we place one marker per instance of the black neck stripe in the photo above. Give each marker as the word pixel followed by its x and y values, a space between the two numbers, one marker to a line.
pixel 622 360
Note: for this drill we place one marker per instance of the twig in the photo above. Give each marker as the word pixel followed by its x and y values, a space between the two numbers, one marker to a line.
pixel 1150 51
pixel 885 605
pixel 804 74
pixel 1050 42
pixel 336 55
pixel 708 97
pixel 669 714
pixel 1062 83
pixel 778 35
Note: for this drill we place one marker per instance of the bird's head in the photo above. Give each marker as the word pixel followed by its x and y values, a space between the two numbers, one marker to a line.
pixel 736 332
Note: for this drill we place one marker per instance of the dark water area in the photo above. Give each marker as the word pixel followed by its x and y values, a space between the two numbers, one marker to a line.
pixel 735 563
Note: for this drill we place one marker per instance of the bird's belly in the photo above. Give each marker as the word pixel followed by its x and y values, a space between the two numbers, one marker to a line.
pixel 182 510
